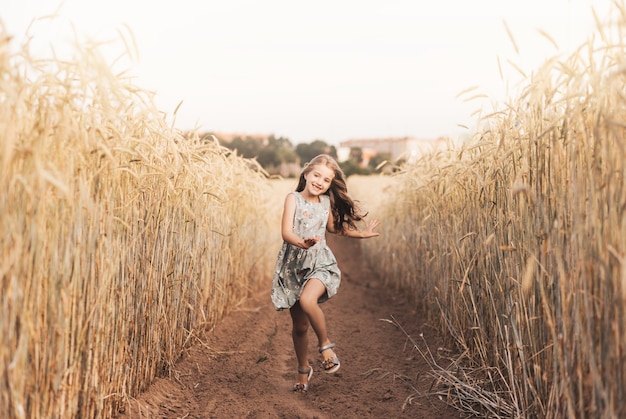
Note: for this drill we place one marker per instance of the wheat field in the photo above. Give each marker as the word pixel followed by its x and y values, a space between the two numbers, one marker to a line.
pixel 516 241
pixel 122 239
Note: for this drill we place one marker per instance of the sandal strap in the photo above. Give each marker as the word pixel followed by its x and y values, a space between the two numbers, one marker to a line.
pixel 301 371
pixel 329 346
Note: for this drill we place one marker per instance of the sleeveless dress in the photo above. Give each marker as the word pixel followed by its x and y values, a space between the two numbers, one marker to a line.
pixel 295 266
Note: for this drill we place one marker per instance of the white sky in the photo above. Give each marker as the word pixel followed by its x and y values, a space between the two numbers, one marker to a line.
pixel 329 69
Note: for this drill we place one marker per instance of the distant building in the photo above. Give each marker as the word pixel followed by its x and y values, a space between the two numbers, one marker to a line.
pixel 407 148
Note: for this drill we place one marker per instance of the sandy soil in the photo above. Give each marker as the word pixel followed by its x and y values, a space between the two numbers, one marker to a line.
pixel 245 368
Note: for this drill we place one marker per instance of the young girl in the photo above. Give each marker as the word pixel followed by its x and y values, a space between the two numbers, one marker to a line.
pixel 306 271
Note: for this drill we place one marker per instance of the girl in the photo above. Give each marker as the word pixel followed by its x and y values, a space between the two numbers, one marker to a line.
pixel 306 271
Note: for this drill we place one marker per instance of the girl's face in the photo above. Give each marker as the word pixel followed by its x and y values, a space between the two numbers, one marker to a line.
pixel 319 179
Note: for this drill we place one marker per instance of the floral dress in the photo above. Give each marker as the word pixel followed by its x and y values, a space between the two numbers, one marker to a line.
pixel 295 266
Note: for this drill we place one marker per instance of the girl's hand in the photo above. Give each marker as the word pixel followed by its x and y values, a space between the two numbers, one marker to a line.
pixel 311 241
pixel 369 230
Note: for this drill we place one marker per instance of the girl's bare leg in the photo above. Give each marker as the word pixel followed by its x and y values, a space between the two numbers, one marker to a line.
pixel 312 291
pixel 299 335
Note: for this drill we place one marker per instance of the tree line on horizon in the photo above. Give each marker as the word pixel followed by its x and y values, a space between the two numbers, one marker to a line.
pixel 274 154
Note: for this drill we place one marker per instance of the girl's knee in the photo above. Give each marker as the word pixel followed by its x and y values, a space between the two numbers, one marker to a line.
pixel 308 301
pixel 300 328
pixel 313 290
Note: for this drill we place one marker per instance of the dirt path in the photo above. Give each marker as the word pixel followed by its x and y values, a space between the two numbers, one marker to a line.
pixel 245 368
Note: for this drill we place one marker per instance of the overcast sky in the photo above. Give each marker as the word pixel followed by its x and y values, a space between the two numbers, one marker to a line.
pixel 329 69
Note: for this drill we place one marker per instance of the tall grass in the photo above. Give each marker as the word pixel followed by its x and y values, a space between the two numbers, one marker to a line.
pixel 121 240
pixel 516 241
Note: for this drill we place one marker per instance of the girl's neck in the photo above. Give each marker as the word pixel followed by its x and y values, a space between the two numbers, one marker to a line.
pixel 310 198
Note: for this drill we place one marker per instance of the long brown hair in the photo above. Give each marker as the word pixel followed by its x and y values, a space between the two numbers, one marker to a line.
pixel 346 212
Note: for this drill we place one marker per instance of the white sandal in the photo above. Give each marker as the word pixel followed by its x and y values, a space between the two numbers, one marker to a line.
pixel 330 365
pixel 303 388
